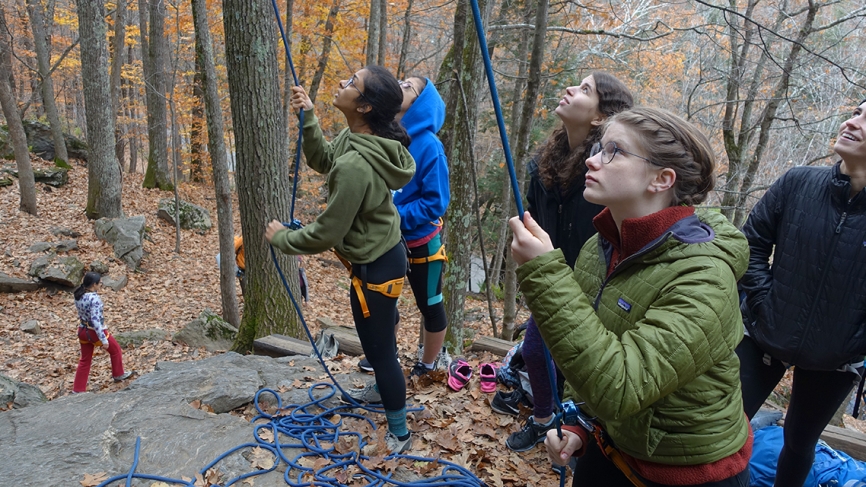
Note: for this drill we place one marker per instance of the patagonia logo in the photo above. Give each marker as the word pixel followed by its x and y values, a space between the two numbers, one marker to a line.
pixel 622 303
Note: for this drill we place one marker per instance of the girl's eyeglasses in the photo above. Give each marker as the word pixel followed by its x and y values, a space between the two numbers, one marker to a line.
pixel 609 150
pixel 407 85
pixel 351 83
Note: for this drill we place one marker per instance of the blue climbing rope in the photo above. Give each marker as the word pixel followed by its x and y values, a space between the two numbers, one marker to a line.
pixel 494 95
pixel 318 431
pixel 518 200
pixel 291 66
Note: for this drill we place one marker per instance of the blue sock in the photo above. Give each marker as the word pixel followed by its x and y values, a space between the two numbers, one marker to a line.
pixel 397 423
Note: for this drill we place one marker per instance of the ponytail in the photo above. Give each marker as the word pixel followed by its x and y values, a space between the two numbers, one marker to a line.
pixel 90 279
pixel 383 93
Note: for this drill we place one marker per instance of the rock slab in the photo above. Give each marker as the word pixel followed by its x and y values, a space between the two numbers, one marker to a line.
pixel 125 235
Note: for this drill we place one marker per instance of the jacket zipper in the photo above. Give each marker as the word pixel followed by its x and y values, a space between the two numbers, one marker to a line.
pixel 821 282
pixel 628 259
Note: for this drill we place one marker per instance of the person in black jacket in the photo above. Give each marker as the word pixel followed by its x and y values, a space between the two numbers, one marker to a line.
pixel 808 308
pixel 555 200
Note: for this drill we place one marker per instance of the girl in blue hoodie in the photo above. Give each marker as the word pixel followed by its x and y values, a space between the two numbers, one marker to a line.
pixel 421 205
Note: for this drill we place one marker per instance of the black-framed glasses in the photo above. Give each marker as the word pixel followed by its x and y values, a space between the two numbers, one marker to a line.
pixel 351 83
pixel 406 84
pixel 609 150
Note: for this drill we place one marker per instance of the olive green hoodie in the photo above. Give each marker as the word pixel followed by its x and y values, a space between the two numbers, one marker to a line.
pixel 360 221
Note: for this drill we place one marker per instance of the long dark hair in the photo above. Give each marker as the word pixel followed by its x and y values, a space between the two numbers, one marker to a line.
pixel 383 93
pixel 557 163
pixel 90 279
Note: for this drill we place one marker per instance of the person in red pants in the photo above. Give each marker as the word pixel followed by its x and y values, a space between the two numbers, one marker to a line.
pixel 92 332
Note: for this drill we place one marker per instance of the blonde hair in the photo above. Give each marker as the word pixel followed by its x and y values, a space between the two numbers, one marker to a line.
pixel 672 142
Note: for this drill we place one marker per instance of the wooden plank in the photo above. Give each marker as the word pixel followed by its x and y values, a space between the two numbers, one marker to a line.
pixel 849 441
pixel 281 346
pixel 489 344
pixel 346 336
pixel 845 440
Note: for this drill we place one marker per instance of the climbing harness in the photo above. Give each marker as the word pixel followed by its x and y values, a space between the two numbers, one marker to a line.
pixel 439 255
pixel 391 289
pixel 573 416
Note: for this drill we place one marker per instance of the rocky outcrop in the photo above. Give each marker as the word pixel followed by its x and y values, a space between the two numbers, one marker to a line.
pixel 57 442
pixel 66 271
pixel 14 285
pixel 136 338
pixel 61 246
pixel 192 217
pixel 55 176
pixel 41 142
pixel 115 283
pixel 209 331
pixel 125 235
pixel 18 395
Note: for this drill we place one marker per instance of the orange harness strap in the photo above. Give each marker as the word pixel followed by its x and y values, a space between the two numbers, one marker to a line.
pixel 615 456
pixel 392 289
pixel 439 255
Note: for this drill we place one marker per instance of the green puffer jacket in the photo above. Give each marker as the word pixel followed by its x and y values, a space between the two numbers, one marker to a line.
pixel 650 349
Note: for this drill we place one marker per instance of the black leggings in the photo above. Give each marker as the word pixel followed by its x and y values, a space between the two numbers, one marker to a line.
pixel 426 282
pixel 815 397
pixel 594 469
pixel 377 333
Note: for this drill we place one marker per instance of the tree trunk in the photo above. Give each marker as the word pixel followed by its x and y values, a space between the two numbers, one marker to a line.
pixel 103 175
pixel 217 148
pixel 262 173
pixel 196 131
pixel 383 32
pixel 43 59
pixel 326 50
pixel 462 63
pixel 404 45
pixel 288 79
pixel 373 27
pixel 117 52
pixel 26 183
pixel 157 173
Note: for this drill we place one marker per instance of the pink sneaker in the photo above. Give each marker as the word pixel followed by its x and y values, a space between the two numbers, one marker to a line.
pixel 487 372
pixel 459 374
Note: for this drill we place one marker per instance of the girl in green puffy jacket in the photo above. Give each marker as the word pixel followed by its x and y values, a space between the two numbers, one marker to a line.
pixel 645 326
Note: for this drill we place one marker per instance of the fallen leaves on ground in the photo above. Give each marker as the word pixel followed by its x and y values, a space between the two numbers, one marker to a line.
pixel 92 480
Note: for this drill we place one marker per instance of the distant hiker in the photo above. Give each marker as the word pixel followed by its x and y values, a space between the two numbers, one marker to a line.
pixel 364 163
pixel 92 332
pixel 555 200
pixel 808 308
pixel 645 325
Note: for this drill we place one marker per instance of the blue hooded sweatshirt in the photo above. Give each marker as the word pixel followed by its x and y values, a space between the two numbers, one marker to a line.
pixel 424 200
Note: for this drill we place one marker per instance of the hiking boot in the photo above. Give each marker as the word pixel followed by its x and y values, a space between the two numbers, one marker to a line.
pixel 420 369
pixel 531 435
pixel 508 402
pixel 121 378
pixel 396 445
pixel 367 395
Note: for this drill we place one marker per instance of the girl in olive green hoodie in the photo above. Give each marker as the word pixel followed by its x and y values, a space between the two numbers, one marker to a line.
pixel 364 163
pixel 645 325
